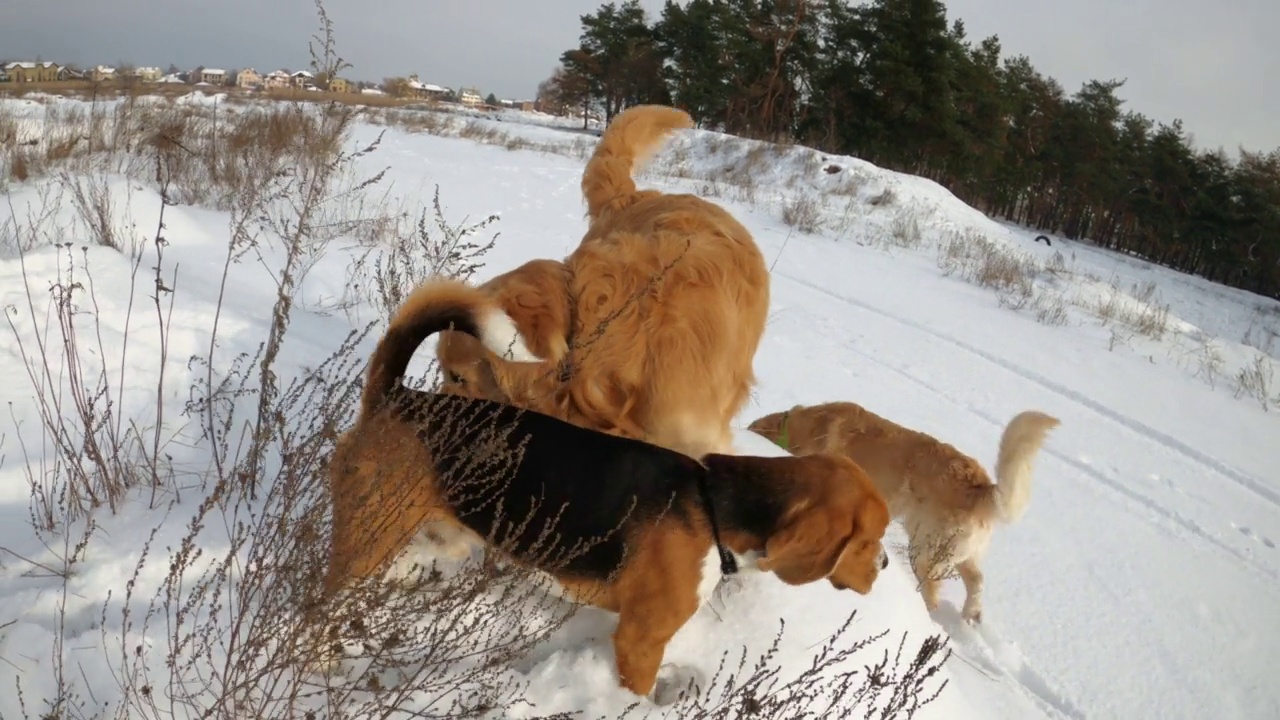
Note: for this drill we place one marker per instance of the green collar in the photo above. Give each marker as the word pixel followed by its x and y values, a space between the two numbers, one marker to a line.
pixel 783 441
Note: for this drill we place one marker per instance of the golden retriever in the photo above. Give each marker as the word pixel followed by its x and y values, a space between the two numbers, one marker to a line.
pixel 649 328
pixel 945 499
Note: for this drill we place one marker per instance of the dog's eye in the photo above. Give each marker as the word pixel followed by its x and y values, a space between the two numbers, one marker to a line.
pixel 454 378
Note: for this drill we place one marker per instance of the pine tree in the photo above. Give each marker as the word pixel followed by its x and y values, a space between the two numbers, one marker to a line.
pixel 689 40
pixel 891 82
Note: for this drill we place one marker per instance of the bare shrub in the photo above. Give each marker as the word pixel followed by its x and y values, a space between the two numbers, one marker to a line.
pixel 405 251
pixel 440 122
pixel 478 131
pixel 1050 308
pixel 1263 331
pixel 1057 264
pixel 1140 311
pixel 904 230
pixel 803 212
pixel 885 197
pixel 760 157
pixel 977 259
pixel 849 185
pixel 1209 360
pixel 98 452
pixel 241 604
pixel 897 686
pixel 227 631
pixel 91 197
pixel 1256 380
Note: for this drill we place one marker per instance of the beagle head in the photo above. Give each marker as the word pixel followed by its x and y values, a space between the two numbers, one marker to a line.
pixel 832 530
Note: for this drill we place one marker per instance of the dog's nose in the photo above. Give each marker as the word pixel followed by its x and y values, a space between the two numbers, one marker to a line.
pixel 884 559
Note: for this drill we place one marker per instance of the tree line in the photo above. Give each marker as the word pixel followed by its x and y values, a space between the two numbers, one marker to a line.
pixel 895 83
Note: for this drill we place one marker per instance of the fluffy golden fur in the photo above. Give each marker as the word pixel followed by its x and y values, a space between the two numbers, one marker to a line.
pixel 945 499
pixel 665 303
pixel 805 518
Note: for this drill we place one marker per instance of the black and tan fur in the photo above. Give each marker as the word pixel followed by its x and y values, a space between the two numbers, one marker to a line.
pixel 632 529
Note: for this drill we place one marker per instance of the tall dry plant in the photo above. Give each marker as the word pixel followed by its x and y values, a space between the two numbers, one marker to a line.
pixel 225 632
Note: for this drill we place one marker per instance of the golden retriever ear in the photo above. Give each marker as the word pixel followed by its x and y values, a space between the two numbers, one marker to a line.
pixel 805 550
pixel 467 368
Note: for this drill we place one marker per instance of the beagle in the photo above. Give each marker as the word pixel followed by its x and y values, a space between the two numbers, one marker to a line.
pixel 619 523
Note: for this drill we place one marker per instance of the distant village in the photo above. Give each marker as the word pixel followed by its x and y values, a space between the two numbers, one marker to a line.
pixel 52 74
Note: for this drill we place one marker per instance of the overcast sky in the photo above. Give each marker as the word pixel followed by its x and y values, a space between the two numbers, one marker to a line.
pixel 1215 65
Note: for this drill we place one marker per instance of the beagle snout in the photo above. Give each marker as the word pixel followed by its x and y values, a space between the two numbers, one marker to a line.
pixel 884 559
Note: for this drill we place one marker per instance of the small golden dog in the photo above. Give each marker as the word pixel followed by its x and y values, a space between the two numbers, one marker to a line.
pixel 640 530
pixel 945 499
pixel 649 328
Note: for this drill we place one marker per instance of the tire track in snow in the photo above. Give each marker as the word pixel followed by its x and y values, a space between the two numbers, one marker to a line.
pixel 1243 480
pixel 1101 478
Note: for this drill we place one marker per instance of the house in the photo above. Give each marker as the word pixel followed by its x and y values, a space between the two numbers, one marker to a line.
pixel 32 72
pixel 470 96
pixel 302 78
pixel 102 73
pixel 148 74
pixel 249 79
pixel 277 79
pixel 427 91
pixel 341 85
pixel 212 76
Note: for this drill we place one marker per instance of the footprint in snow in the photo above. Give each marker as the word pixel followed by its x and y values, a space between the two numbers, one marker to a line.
pixel 1249 533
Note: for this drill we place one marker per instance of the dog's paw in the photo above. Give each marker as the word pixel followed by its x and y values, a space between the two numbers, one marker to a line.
pixel 972 615
pixel 676 682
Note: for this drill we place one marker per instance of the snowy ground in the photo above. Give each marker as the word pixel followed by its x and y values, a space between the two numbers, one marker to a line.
pixel 1141 583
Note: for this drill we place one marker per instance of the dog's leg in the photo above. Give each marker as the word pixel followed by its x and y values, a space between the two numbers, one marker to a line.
pixel 646 623
pixel 449 541
pixel 927 575
pixel 971 574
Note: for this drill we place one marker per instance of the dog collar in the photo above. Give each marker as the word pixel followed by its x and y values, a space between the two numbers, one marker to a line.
pixel 728 564
pixel 783 441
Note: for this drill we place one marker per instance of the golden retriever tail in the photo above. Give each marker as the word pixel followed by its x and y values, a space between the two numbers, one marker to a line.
pixel 1019 444
pixel 632 137
pixel 433 307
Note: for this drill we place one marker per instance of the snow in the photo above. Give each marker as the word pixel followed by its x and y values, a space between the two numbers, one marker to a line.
pixel 1140 583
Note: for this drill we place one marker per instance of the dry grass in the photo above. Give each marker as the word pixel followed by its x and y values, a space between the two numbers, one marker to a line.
pixel 803 212
pixel 108 90
pixel 207 156
pixel 1209 360
pixel 1257 380
pixel 904 230
pixel 443 123
pixel 1138 311
pixel 223 634
pixel 885 197
pixel 1050 307
pixel 1263 330
pixel 985 263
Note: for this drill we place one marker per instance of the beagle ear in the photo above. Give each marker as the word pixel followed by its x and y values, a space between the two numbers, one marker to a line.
pixel 805 550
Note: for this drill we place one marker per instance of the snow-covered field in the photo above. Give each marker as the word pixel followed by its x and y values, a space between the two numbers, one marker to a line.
pixel 1141 583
